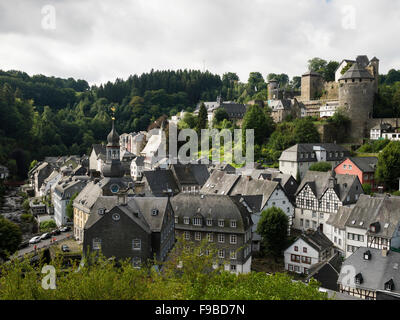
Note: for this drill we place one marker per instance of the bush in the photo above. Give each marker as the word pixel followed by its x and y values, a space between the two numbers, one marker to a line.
pixel 26 217
pixel 47 225
pixel 367 188
pixel 321 166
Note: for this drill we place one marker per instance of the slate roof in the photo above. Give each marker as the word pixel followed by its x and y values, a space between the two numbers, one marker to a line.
pixel 365 164
pixel 99 149
pixel 139 161
pixel 282 104
pixel 293 153
pixel 146 206
pixel 356 71
pixel 235 108
pixel 193 174
pixel 319 183
pixel 339 219
pixel 326 272
pixel 220 182
pixel 212 206
pixel 316 239
pixel 376 271
pixel 158 181
pixel 88 196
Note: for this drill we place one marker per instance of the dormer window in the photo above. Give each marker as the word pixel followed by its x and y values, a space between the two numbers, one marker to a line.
pixel 197 221
pixel 233 223
pixel 367 255
pixel 186 220
pixel 221 223
pixel 358 278
pixel 209 222
pixel 389 286
pixel 101 211
pixel 374 227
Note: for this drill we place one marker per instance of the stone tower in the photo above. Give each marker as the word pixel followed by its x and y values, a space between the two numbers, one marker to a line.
pixel 311 86
pixel 273 89
pixel 112 166
pixel 356 98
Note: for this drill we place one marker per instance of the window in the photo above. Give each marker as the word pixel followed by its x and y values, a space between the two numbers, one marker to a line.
pixel 197 236
pixel 96 244
pixel 176 219
pixel 233 254
pixel 136 244
pixel 197 221
pixel 221 223
pixel 307 223
pixel 301 222
pixel 210 237
pixel 321 215
pixel 304 249
pixel 314 224
pixel 209 222
pixel 314 214
pixel 221 238
pixel 296 248
pixel 290 267
pixel 187 235
pixel 186 220
pixel 221 254
pixel 233 223
pixel 233 267
pixel 233 239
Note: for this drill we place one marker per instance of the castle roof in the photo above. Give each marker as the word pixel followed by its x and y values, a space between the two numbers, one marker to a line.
pixel 312 73
pixel 356 72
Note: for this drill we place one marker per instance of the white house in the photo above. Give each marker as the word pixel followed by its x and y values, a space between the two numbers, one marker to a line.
pixel 137 168
pixel 310 248
pixel 343 64
pixel 329 109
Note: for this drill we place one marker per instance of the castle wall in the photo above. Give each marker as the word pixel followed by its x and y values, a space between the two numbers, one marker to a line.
pixel 311 87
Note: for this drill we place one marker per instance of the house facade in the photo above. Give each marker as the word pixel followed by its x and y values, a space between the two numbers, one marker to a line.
pixel 222 220
pixel 310 248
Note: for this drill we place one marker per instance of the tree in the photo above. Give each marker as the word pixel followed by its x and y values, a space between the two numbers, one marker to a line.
pixel 256 119
pixel 273 228
pixel 220 114
pixel 305 131
pixel 10 237
pixel 388 167
pixel 327 70
pixel 321 166
pixel 367 188
pixel 202 118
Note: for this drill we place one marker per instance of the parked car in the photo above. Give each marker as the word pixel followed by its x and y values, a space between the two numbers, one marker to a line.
pixel 23 244
pixel 65 229
pixel 65 248
pixel 55 232
pixel 45 236
pixel 35 240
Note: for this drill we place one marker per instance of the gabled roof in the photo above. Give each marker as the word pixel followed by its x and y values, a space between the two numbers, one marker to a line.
pixel 339 219
pixel 365 164
pixel 159 181
pixel 375 272
pixel 319 183
pixel 146 205
pixel 220 182
pixel 294 153
pixel 316 239
pixel 99 149
pixel 193 174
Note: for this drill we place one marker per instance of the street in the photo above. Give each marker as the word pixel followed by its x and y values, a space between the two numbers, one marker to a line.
pixel 43 243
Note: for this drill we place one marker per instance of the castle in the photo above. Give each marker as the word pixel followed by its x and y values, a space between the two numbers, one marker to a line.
pixel 353 92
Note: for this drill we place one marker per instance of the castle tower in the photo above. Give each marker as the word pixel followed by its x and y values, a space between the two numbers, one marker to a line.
pixel 311 86
pixel 356 98
pixel 273 89
pixel 374 67
pixel 112 166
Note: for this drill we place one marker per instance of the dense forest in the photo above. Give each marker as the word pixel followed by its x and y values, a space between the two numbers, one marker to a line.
pixel 48 116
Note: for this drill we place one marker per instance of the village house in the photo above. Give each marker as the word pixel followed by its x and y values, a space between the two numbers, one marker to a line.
pixel 310 247
pixel 363 167
pixel 373 272
pixel 137 168
pixel 320 195
pixel 297 159
pixel 222 220
pixel 139 229
pixel 97 157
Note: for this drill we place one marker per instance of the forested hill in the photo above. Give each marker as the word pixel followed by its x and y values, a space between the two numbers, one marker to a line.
pixel 48 116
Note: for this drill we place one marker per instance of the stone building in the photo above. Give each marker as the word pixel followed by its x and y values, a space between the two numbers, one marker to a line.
pixel 220 219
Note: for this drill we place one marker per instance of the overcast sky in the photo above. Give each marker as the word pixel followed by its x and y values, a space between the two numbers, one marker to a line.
pixel 102 40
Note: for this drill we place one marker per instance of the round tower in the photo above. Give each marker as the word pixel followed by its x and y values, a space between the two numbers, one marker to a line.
pixel 356 98
pixel 273 86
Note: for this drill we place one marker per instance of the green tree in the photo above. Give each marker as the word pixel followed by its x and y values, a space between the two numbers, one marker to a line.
pixel 70 208
pixel 388 167
pixel 305 131
pixel 273 228
pixel 202 118
pixel 255 118
pixel 10 237
pixel 367 188
pixel 321 166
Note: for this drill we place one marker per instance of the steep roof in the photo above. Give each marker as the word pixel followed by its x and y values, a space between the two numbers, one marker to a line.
pixel 191 173
pixel 339 219
pixel 365 164
pixel 356 71
pixel 99 149
pixel 376 271
pixel 220 182
pixel 294 153
pixel 212 206
pixel 316 239
pixel 159 181
pixel 146 205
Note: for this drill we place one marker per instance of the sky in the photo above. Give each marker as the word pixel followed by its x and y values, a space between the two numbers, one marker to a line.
pixel 100 41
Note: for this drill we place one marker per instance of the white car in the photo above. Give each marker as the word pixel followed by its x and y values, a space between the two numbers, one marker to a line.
pixel 34 240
